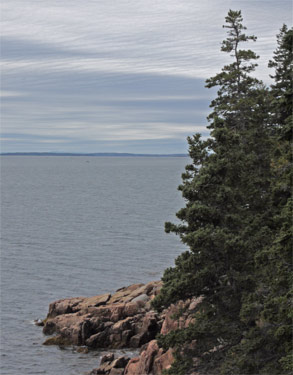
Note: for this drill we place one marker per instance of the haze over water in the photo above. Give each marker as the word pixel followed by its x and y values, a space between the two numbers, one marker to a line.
pixel 78 226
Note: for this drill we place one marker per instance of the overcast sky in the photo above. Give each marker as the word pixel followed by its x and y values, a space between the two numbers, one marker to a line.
pixel 118 75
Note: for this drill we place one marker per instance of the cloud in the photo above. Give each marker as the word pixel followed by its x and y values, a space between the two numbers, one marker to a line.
pixel 166 37
pixel 4 94
pixel 102 71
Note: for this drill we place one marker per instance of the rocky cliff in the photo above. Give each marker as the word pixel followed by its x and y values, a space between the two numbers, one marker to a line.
pixel 121 320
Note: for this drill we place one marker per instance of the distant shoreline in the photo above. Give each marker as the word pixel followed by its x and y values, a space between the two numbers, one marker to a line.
pixel 89 154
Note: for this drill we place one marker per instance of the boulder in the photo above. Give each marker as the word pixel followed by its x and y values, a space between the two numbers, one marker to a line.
pixel 132 367
pixel 120 362
pixel 107 358
pixel 146 330
pixel 57 340
pixel 63 306
pixel 152 361
pixel 141 298
pixel 122 325
pixel 75 328
pixel 122 294
pixel 171 324
pixel 72 305
pixel 144 363
pixel 163 361
pixel 111 366
pixel 98 340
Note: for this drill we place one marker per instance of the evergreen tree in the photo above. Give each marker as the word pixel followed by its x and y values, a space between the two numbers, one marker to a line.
pixel 267 347
pixel 282 88
pixel 227 191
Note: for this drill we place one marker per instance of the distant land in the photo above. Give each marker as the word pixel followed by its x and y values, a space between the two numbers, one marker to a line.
pixel 90 154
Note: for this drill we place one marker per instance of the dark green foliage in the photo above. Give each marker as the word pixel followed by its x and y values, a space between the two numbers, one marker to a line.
pixel 283 65
pixel 273 263
pixel 237 222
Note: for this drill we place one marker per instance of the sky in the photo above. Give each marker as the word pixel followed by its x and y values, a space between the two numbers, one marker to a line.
pixel 118 75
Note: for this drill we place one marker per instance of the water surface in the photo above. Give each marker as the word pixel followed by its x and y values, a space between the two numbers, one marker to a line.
pixel 77 226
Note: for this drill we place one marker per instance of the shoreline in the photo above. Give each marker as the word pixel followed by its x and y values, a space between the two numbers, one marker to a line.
pixel 123 320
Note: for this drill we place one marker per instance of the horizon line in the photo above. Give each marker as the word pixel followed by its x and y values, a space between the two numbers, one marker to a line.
pixel 88 154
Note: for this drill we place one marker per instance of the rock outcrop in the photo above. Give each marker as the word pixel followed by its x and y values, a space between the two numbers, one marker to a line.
pixel 152 360
pixel 111 366
pixel 121 320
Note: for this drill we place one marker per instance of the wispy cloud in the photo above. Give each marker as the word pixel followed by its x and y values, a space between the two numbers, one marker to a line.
pixel 128 70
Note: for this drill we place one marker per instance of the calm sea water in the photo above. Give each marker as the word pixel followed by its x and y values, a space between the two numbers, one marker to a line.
pixel 77 226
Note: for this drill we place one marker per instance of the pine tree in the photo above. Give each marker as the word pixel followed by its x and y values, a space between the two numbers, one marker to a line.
pixel 282 88
pixel 227 190
pixel 267 346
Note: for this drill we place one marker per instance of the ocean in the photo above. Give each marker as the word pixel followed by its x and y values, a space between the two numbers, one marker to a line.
pixel 78 226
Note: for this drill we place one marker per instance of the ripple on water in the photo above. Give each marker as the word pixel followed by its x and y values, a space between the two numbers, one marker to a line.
pixel 72 228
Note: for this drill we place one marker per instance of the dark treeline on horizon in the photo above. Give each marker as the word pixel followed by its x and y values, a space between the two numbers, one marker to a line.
pixel 89 154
